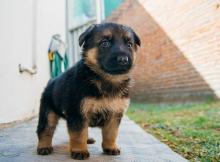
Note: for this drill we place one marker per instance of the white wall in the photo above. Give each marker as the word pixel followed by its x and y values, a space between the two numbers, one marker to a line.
pixel 24 32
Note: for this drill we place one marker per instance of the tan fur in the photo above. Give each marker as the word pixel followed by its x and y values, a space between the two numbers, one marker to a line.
pixel 78 140
pixel 115 105
pixel 134 58
pixel 91 57
pixel 107 33
pixel 109 134
pixel 45 138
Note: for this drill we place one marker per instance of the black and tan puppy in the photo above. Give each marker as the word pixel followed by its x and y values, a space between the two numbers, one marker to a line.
pixel 94 92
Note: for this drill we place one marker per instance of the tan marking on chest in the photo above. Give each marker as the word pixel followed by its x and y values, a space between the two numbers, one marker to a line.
pixel 93 105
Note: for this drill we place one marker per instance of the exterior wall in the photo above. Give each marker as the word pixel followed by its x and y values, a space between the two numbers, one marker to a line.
pixel 26 29
pixel 180 55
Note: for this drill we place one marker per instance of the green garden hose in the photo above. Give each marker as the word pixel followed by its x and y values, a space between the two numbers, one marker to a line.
pixel 57 56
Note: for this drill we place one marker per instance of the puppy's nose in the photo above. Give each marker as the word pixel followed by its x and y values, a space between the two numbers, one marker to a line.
pixel 123 60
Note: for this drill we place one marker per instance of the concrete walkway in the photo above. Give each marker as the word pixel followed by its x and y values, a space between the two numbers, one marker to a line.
pixel 18 144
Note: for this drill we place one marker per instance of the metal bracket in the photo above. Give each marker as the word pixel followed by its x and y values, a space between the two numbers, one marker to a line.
pixel 31 71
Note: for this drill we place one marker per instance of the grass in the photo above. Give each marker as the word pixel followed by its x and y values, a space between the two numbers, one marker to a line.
pixel 192 129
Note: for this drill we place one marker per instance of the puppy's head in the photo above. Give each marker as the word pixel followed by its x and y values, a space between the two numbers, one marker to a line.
pixel 109 47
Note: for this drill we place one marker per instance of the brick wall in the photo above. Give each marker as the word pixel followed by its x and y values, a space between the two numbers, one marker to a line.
pixel 180 55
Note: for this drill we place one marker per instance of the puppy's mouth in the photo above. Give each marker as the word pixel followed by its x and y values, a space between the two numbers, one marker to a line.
pixel 116 69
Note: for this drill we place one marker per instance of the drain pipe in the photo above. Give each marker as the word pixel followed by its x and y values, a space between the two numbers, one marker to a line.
pixel 100 11
pixel 33 69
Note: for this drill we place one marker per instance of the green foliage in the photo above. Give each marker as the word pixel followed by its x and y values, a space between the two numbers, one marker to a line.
pixel 191 129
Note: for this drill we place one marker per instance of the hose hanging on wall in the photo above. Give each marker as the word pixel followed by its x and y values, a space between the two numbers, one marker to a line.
pixel 57 56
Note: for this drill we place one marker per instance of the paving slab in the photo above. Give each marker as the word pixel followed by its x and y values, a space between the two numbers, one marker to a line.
pixel 18 144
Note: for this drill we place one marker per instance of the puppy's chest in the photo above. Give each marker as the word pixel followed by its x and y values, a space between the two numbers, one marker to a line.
pixel 97 111
pixel 111 104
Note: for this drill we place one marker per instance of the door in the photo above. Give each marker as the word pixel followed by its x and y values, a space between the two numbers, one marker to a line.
pixel 80 15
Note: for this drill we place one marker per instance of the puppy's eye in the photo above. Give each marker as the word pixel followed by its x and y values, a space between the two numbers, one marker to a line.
pixel 105 44
pixel 129 44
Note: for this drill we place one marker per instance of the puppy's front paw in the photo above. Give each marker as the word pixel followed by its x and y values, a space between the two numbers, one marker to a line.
pixel 114 151
pixel 44 150
pixel 81 155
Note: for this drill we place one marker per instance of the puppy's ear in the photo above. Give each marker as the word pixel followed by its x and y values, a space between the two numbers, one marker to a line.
pixel 137 39
pixel 86 34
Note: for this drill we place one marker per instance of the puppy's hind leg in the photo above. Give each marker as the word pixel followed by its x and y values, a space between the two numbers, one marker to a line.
pixel 46 127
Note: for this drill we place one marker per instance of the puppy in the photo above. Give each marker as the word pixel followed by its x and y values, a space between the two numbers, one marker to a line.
pixel 93 93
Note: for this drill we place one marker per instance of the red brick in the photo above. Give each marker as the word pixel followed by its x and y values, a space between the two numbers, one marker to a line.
pixel 180 55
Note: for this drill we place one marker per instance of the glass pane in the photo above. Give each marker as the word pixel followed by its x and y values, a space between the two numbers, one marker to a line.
pixel 80 11
pixel 111 5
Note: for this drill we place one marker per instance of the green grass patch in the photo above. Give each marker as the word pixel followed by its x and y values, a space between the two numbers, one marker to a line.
pixel 192 129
